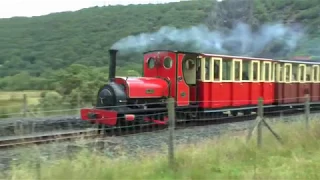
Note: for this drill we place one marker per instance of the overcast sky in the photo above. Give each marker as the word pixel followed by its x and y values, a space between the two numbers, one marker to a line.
pixel 10 8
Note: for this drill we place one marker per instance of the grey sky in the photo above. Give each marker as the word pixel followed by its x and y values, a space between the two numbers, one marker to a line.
pixel 10 8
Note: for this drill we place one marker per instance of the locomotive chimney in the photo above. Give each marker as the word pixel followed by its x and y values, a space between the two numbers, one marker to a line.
pixel 112 65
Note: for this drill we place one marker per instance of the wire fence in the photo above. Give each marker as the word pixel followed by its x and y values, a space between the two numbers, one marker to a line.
pixel 37 105
pixel 180 120
pixel 142 123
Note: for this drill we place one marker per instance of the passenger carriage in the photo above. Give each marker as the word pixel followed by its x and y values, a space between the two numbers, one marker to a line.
pixel 232 81
pixel 295 79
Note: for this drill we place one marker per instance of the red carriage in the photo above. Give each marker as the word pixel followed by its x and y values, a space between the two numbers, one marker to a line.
pixel 206 83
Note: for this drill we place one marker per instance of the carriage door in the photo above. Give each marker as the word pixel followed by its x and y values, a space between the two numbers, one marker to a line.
pixel 267 82
pixel 315 93
pixel 186 79
pixel 255 89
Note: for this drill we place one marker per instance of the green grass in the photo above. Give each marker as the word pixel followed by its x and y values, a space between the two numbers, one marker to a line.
pixel 228 157
pixel 12 101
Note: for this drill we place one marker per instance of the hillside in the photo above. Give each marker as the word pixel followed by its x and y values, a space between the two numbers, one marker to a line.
pixel 58 40
pixel 39 47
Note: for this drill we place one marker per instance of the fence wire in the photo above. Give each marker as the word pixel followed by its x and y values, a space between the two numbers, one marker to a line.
pixel 42 108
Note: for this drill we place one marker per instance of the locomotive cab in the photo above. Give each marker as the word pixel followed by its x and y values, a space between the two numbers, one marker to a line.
pixel 179 69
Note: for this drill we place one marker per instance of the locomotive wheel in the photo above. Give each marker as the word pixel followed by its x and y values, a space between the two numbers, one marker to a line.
pixel 193 115
pixel 246 112
pixel 101 128
pixel 234 113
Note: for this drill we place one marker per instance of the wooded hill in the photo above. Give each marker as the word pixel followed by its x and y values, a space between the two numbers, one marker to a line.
pixel 36 53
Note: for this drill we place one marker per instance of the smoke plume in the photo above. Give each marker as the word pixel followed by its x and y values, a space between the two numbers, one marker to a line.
pixel 272 39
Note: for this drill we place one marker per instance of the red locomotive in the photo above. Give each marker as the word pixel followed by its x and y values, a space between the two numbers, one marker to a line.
pixel 202 84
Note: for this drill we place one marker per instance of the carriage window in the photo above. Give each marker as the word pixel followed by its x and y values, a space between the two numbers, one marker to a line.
pixel 294 75
pixel 267 70
pixel 302 73
pixel 273 70
pixel 207 69
pixel 315 73
pixel 245 70
pixel 262 71
pixel 308 73
pixel 189 64
pixel 216 70
pixel 279 73
pixel 287 72
pixel 237 67
pixel 226 70
pixel 189 71
pixel 255 71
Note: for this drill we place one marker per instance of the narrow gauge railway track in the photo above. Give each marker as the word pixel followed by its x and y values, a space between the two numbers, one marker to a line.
pixel 15 141
pixel 9 142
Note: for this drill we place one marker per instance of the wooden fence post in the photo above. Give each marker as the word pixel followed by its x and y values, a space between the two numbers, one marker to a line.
pixel 307 109
pixel 171 114
pixel 260 116
pixel 38 168
pixel 25 105
pixel 79 103
pixel 259 122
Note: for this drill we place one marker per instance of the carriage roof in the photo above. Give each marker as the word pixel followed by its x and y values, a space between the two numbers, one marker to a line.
pixel 242 57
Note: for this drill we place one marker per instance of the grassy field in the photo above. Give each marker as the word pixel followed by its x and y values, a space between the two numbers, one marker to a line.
pixel 16 97
pixel 11 104
pixel 12 101
pixel 228 157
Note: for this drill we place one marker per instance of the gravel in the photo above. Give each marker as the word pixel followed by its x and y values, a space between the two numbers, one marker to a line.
pixel 130 145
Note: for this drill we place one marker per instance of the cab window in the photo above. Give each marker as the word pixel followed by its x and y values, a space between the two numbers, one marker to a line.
pixel 151 63
pixel 167 62
pixel 198 67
